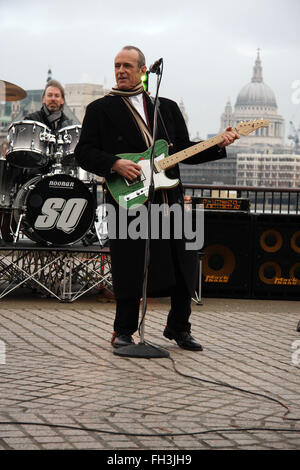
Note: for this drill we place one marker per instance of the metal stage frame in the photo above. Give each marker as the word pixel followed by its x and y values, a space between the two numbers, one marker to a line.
pixel 65 272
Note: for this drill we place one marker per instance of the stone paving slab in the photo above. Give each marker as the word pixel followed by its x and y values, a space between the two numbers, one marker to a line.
pixel 60 370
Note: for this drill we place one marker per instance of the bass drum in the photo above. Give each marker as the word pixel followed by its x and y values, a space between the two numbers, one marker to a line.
pixel 54 209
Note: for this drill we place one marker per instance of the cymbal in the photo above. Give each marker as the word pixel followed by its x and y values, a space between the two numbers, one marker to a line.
pixel 11 92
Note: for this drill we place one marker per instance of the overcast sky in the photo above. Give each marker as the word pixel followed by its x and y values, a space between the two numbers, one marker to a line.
pixel 209 47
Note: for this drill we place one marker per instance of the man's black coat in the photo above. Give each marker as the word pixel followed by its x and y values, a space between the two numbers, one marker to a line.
pixel 109 129
pixel 41 116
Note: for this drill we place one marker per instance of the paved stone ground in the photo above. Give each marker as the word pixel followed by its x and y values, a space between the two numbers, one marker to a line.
pixel 58 368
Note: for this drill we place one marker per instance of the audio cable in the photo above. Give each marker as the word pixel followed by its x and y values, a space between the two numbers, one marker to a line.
pixel 191 433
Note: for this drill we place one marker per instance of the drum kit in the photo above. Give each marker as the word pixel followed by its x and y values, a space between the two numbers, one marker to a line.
pixel 55 208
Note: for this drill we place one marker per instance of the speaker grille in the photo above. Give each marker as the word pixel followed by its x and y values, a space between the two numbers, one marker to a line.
pixel 276 255
pixel 226 265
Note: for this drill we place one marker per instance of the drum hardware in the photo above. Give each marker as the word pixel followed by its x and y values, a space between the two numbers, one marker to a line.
pixel 17 232
pixel 57 167
pixel 67 138
pixel 46 136
pixel 90 237
pixel 18 221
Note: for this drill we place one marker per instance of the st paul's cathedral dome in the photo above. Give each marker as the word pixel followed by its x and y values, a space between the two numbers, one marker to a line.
pixel 256 100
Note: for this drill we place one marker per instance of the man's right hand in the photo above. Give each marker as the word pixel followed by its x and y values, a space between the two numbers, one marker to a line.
pixel 127 168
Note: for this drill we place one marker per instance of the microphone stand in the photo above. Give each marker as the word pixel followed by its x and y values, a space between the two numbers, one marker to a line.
pixel 142 349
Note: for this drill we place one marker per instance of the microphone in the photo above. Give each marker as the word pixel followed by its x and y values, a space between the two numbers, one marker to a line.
pixel 154 68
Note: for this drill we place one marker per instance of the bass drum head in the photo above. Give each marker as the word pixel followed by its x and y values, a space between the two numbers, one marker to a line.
pixel 59 209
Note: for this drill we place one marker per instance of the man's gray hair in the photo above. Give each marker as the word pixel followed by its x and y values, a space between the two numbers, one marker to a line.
pixel 141 59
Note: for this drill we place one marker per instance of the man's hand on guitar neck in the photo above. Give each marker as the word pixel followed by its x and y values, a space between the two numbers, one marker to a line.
pixel 127 168
pixel 229 136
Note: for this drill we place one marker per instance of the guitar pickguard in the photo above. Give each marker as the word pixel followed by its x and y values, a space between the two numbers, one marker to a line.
pixel 135 193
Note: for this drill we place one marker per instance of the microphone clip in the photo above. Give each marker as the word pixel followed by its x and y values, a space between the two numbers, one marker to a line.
pixel 155 68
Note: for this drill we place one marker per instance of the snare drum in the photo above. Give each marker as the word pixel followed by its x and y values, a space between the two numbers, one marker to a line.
pixel 28 144
pixel 69 138
pixel 54 209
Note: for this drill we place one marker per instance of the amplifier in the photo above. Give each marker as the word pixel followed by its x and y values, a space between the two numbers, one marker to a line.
pixel 227 254
pixel 276 257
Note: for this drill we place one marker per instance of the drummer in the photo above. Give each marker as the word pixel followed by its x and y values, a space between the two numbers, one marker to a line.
pixel 51 113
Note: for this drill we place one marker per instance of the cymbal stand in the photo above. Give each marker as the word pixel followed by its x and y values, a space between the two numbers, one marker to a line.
pixel 17 232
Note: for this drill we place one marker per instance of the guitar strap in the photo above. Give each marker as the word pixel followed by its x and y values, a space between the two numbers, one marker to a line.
pixel 144 129
pixel 163 122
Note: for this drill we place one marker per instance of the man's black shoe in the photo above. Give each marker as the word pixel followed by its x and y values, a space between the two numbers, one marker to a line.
pixel 119 341
pixel 183 339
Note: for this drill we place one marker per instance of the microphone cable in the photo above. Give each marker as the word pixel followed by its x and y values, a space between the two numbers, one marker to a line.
pixel 180 434
pixel 232 387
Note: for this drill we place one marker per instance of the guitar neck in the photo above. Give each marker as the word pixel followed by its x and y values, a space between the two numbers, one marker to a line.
pixel 189 152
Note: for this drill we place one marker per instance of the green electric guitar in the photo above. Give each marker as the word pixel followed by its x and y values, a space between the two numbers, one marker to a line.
pixel 131 194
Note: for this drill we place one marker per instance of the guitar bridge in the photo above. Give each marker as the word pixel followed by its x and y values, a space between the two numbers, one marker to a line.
pixel 138 179
pixel 135 194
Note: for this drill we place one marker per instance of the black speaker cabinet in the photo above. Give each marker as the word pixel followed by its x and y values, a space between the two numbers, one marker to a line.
pixel 227 260
pixel 276 257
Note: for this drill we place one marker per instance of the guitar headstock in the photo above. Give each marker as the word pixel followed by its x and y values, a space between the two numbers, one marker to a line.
pixel 246 127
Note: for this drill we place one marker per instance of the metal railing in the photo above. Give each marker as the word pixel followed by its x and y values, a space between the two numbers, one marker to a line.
pixel 262 200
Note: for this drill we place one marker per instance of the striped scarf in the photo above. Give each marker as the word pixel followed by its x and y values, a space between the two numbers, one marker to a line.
pixel 52 118
pixel 142 126
pixel 132 92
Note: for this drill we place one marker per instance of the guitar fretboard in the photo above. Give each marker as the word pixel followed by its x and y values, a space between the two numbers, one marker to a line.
pixel 189 152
